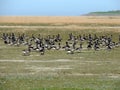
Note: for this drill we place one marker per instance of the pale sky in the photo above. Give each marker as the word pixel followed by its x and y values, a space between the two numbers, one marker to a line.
pixel 55 7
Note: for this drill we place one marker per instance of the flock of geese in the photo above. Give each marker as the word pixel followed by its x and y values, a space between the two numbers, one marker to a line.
pixel 71 45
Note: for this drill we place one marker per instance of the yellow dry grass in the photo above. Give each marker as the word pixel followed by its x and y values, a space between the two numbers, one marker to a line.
pixel 61 19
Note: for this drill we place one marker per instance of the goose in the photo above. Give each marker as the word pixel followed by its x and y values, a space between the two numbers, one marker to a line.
pixel 26 52
pixel 79 48
pixel 96 47
pixel 66 46
pixel 58 47
pixel 89 46
pixel 70 51
pixel 109 47
pixel 42 50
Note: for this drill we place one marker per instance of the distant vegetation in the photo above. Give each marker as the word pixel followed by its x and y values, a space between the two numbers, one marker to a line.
pixel 108 13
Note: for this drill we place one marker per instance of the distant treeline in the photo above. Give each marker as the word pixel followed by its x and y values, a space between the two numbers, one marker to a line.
pixel 101 13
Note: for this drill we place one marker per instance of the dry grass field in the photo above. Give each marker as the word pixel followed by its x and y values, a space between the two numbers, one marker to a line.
pixel 59 20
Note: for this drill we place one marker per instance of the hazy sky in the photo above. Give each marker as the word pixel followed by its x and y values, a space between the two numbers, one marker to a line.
pixel 55 7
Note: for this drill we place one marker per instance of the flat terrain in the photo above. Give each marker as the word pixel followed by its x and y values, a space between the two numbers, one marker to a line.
pixel 57 70
pixel 61 20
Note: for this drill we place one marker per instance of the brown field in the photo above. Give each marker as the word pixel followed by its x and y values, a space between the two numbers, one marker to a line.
pixel 62 19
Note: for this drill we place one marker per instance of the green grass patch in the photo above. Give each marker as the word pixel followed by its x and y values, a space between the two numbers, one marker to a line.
pixel 57 70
